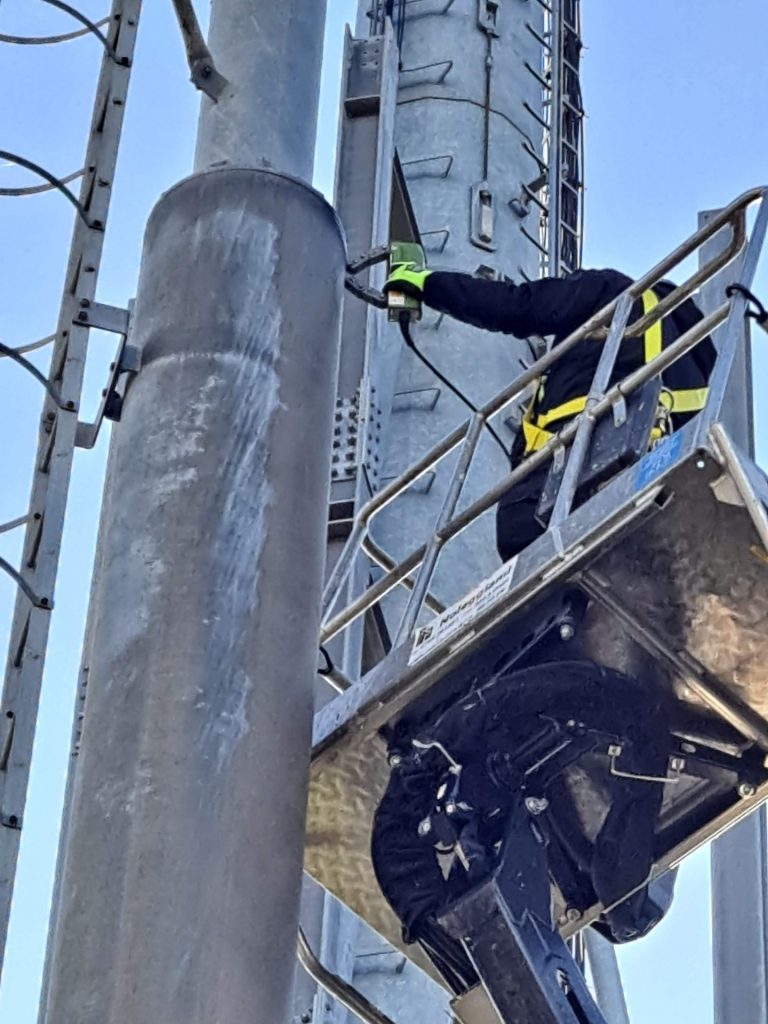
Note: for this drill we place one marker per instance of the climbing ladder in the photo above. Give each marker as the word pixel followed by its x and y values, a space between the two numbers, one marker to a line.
pixel 671 552
pixel 61 430
pixel 558 193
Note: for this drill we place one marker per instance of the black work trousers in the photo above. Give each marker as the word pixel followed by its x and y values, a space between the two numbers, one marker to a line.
pixel 516 523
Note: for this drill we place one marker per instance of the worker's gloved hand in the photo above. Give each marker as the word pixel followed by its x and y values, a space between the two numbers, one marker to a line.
pixel 408 279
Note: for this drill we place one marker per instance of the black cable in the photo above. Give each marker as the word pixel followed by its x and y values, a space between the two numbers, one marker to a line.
pixel 760 314
pixel 405 329
pixel 329 666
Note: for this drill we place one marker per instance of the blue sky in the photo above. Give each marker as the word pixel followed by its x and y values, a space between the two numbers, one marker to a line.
pixel 675 93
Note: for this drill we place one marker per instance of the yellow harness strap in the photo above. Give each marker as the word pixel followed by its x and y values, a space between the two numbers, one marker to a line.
pixel 653 336
pixel 681 401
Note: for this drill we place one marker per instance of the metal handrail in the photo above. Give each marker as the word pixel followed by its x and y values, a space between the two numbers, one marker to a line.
pixel 450 525
pixel 342 991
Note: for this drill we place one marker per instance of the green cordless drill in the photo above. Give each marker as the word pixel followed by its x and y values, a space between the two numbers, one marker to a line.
pixel 407 265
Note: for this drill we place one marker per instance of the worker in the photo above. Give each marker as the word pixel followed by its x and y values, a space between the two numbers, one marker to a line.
pixel 558 307
pixel 457 787
pixel 412 821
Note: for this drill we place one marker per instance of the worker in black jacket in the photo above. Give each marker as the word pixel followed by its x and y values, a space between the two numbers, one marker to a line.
pixel 558 307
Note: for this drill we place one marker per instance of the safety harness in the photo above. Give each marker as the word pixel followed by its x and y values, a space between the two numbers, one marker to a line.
pixel 683 400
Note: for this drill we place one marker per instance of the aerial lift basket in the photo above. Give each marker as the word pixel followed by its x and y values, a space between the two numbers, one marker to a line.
pixel 670 556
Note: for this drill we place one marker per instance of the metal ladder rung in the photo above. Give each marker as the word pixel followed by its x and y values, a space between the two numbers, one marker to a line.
pixel 570 146
pixel 535 199
pixel 571 67
pixel 539 38
pixel 531 152
pixel 534 241
pixel 52 420
pixel 543 82
pixel 35 538
pixel 544 124
pixel 18 655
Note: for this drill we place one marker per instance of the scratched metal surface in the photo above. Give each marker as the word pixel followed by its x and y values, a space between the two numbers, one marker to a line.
pixel 343 796
pixel 696 574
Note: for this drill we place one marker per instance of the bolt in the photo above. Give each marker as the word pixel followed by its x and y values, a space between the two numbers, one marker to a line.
pixel 425 827
pixel 82 317
pixel 395 760
pixel 450 807
pixel 206 70
pixel 700 464
pixel 536 804
pixel 567 632
pixel 84 303
pixel 746 790
pixel 573 915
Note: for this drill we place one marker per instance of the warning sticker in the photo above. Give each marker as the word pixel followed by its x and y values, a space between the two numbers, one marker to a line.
pixel 658 460
pixel 460 616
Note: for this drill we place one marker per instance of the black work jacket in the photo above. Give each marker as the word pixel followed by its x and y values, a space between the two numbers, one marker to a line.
pixel 558 306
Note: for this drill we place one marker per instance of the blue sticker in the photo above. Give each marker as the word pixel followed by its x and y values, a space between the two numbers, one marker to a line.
pixel 655 462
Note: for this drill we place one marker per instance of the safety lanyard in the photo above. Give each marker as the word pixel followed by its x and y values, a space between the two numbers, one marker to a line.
pixel 681 400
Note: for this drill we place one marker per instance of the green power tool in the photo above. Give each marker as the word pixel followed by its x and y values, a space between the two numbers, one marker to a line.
pixel 412 255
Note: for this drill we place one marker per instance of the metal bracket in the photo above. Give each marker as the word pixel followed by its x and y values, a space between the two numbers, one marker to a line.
pixel 103 317
pixel 127 364
pixel 483 216
pixel 357 434
pixel 203 73
pixel 344 458
pixel 357 266
pixel 488 16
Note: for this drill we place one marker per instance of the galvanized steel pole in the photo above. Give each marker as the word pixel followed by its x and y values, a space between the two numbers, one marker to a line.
pixel 604 968
pixel 739 859
pixel 180 871
pixel 271 54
